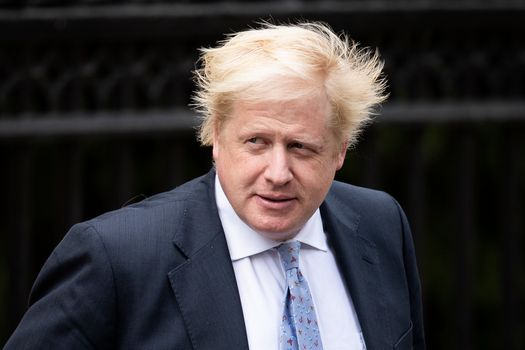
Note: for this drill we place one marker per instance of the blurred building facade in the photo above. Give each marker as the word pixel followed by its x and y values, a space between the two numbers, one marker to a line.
pixel 93 115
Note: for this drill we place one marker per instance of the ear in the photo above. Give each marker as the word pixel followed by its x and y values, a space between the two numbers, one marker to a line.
pixel 341 155
pixel 215 145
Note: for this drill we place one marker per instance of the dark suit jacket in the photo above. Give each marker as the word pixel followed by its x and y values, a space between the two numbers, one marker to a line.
pixel 158 275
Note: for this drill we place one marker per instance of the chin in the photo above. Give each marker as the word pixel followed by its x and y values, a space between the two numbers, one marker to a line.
pixel 277 233
pixel 278 237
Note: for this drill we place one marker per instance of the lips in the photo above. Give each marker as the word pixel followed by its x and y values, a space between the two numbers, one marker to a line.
pixel 276 198
pixel 275 202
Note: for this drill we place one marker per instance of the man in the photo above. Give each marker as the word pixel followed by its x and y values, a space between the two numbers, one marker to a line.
pixel 264 252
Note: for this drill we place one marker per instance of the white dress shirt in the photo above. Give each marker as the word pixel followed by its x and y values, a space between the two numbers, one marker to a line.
pixel 261 282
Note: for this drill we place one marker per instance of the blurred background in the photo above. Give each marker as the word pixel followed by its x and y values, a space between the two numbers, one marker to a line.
pixel 93 115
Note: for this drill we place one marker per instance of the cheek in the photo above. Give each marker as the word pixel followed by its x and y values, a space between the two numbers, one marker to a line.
pixel 250 167
pixel 243 168
pixel 317 177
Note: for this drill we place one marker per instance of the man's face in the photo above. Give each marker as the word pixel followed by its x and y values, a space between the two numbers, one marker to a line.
pixel 276 162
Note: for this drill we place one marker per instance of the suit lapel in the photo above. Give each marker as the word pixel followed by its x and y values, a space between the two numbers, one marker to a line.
pixel 205 285
pixel 359 264
pixel 206 290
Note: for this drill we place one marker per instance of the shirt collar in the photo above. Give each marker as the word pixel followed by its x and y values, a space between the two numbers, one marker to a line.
pixel 243 241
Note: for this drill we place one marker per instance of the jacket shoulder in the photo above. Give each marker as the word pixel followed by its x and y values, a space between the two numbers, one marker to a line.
pixel 142 232
pixel 157 214
pixel 362 200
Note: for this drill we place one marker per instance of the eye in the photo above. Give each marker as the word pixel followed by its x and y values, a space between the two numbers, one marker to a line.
pixel 255 140
pixel 296 145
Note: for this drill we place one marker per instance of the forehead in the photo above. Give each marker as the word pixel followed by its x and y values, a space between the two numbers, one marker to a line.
pixel 305 120
pixel 308 110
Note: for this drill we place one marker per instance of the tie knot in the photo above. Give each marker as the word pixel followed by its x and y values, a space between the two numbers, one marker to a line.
pixel 289 253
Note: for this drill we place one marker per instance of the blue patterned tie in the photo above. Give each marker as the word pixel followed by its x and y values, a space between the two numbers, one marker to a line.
pixel 299 328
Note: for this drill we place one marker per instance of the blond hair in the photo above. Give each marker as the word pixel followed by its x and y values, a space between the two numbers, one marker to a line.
pixel 284 63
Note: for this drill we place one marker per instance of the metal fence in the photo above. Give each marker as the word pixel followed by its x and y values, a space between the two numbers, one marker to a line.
pixel 93 115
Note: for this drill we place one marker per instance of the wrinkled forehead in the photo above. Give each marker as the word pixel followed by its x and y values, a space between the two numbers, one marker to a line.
pixel 312 109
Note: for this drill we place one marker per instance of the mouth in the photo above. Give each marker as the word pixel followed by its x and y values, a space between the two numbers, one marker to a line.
pixel 276 199
pixel 276 202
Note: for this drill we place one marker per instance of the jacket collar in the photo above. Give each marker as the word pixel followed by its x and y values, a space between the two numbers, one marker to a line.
pixel 205 285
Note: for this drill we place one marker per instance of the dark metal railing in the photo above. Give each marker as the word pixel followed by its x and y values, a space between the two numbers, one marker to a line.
pixel 93 115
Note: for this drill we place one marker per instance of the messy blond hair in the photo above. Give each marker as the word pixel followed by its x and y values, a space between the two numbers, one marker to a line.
pixel 284 63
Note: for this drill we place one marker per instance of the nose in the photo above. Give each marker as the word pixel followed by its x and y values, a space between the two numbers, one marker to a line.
pixel 278 170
